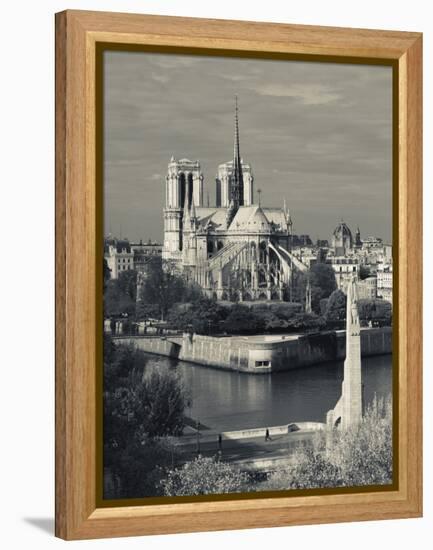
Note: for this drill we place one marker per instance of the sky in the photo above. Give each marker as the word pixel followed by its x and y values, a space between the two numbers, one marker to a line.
pixel 318 135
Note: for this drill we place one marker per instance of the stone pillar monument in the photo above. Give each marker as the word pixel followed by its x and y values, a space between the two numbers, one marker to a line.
pixel 348 411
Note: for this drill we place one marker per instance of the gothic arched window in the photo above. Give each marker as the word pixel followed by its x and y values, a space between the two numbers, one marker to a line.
pixel 190 188
pixel 182 189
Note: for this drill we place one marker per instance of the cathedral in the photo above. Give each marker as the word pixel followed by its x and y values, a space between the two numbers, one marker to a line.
pixel 235 249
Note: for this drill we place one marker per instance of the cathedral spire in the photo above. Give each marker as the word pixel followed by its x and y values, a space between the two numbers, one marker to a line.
pixel 237 178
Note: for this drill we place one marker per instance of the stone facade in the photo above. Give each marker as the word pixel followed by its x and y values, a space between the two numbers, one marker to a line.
pixel 384 282
pixel 119 256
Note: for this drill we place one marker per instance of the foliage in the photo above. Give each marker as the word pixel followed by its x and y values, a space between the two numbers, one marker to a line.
pixel 375 310
pixel 336 306
pixel 147 311
pixel 202 316
pixel 295 291
pixel 361 455
pixel 322 280
pixel 140 411
pixel 203 476
pixel 127 284
pixel 161 402
pixel 122 364
pixel 243 320
pixel 321 255
pixel 209 317
pixel 139 469
pixel 323 303
pixel 163 286
pixel 306 322
pixel 284 310
pixel 120 294
pixel 364 454
pixel 364 272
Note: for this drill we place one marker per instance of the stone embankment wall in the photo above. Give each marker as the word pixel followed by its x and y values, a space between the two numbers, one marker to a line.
pixel 265 354
pixel 156 344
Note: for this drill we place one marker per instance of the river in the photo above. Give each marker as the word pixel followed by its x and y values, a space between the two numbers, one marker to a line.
pixel 226 400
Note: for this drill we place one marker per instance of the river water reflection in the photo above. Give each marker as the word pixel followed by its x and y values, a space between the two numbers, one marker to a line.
pixel 226 400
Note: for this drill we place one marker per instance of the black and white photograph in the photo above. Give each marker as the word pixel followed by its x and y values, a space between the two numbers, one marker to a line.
pixel 247 275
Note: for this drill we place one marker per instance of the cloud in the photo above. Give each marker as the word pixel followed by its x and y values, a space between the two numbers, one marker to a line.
pixel 311 94
pixel 167 62
pixel 318 134
pixel 162 78
pixel 234 77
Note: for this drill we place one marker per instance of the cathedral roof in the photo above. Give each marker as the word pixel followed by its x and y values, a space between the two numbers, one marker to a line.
pixel 216 216
pixel 277 217
pixel 250 218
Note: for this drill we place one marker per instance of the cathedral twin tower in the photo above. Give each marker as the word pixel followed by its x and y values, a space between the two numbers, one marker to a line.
pixel 234 246
pixel 185 190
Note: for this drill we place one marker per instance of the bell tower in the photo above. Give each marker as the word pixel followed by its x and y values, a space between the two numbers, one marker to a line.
pixel 183 187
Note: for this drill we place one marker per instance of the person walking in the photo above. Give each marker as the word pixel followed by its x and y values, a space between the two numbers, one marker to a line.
pixel 267 436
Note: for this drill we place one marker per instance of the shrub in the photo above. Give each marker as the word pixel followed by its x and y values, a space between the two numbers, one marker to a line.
pixel 203 476
pixel 242 320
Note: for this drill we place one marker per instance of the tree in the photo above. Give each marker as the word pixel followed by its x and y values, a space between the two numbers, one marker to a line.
pixel 295 290
pixel 203 316
pixel 161 402
pixel 284 310
pixel 204 476
pixel 140 411
pixel 306 322
pixel 123 363
pixel 377 310
pixel 142 406
pixel 139 469
pixel 164 286
pixel 242 320
pixel 120 294
pixel 336 306
pixel 147 311
pixel 127 284
pixel 322 280
pixel 364 272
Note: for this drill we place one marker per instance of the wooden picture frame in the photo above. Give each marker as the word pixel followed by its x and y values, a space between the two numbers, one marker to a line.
pixel 79 279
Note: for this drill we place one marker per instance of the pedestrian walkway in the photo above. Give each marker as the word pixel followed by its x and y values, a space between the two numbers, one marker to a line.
pixel 255 447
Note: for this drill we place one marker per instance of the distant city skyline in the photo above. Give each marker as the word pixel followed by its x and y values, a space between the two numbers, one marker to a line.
pixel 318 135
